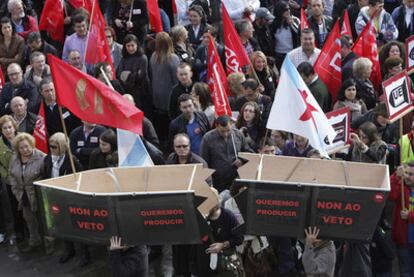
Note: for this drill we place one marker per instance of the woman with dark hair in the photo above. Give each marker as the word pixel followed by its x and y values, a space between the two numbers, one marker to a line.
pixel 267 76
pixel 201 96
pixel 196 27
pixel 11 45
pixel 132 72
pixel 347 97
pixel 367 146
pixel 285 32
pixel 249 122
pixel 107 153
pixel 391 49
pixel 280 138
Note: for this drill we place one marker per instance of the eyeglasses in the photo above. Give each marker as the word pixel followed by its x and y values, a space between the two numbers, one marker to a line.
pixel 181 146
pixel 53 146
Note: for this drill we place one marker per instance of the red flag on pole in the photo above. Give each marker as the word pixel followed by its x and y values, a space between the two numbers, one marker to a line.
pixel 2 80
pixel 366 46
pixel 328 64
pixel 91 100
pixel 76 4
pixel 236 55
pixel 346 25
pixel 52 18
pixel 97 48
pixel 40 133
pixel 154 16
pixel 304 24
pixel 217 81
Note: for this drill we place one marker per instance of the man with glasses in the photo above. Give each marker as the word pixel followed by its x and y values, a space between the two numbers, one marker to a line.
pixel 17 86
pixel 114 47
pixel 195 124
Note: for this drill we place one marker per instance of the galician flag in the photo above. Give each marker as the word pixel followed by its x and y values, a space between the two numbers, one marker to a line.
pixel 295 110
pixel 131 150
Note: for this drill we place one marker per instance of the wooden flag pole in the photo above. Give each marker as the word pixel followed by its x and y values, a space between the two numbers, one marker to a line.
pixel 131 10
pixel 89 31
pixel 401 163
pixel 62 120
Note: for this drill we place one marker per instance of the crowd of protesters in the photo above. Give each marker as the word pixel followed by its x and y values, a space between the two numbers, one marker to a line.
pixel 165 76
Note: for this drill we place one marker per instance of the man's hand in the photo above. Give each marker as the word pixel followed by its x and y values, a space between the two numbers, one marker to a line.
pixel 238 163
pixel 404 214
pixel 216 247
pixel 311 235
pixel 115 243
pixel 129 25
pixel 118 23
pixel 401 171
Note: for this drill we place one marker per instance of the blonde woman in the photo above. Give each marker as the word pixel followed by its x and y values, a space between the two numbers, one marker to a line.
pixel 267 76
pixel 25 168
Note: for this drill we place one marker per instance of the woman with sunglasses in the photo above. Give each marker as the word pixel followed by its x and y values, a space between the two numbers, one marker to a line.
pixel 57 164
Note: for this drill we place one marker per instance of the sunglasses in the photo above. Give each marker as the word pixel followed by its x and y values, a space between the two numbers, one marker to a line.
pixel 181 146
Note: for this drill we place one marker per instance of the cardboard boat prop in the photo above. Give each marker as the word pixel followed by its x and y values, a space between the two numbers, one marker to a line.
pixel 143 205
pixel 285 195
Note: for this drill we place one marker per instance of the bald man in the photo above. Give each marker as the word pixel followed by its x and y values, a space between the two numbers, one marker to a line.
pixel 26 121
pixel 18 86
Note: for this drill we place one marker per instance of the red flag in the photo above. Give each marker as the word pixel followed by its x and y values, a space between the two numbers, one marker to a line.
pixel 52 18
pixel 2 80
pixel 97 48
pixel 154 16
pixel 76 4
pixel 217 81
pixel 40 133
pixel 304 24
pixel 236 55
pixel 328 63
pixel 346 25
pixel 366 46
pixel 91 100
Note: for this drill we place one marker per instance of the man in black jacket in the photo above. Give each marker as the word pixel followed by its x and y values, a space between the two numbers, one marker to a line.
pixel 18 87
pixel 194 124
pixel 348 57
pixel 25 120
pixel 262 31
pixel 319 23
pixel 35 43
pixel 184 85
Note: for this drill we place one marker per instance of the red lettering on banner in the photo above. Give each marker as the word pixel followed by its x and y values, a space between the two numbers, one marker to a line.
pixel 100 213
pixel 337 220
pixel 161 212
pixel 285 203
pixel 90 226
pixel 276 213
pixel 329 205
pixel 157 222
pixel 353 207
pixel 79 211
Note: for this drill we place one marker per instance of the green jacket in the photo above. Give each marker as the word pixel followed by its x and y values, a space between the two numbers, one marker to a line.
pixel 5 156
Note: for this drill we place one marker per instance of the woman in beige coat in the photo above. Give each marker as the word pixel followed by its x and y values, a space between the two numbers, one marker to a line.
pixel 25 168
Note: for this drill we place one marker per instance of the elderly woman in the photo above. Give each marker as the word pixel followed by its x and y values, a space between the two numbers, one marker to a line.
pixel 182 48
pixel 8 128
pixel 56 164
pixel 362 69
pixel 11 44
pixel 25 168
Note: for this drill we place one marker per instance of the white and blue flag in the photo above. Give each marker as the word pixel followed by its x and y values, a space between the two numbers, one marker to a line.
pixel 295 110
pixel 131 150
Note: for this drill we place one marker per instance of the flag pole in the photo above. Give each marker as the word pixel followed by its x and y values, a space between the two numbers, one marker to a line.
pixel 130 10
pixel 401 163
pixel 62 120
pixel 107 81
pixel 89 31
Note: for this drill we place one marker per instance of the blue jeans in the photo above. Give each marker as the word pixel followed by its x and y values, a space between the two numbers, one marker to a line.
pixel 406 259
